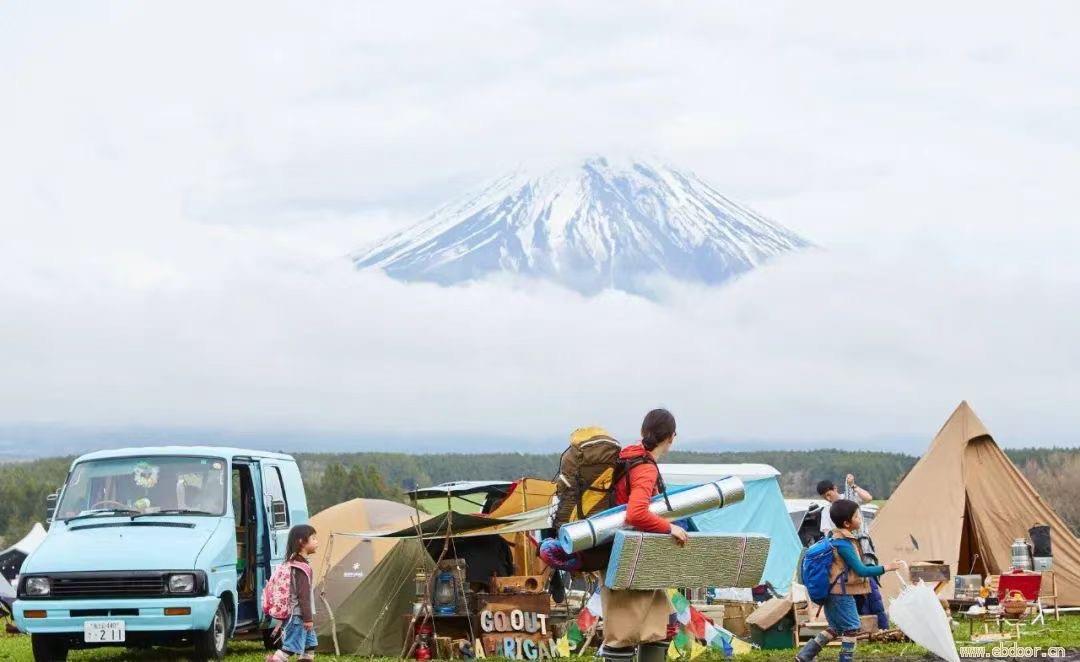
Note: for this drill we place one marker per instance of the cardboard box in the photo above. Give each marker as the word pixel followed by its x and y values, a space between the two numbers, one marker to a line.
pixel 769 613
pixel 736 625
pixel 735 613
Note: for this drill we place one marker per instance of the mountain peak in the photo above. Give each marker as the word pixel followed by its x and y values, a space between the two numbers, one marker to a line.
pixel 598 224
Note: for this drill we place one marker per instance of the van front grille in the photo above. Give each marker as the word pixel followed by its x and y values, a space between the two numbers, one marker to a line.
pixel 109 585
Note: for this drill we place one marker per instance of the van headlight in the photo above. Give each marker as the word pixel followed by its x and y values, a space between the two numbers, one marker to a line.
pixel 182 583
pixel 37 586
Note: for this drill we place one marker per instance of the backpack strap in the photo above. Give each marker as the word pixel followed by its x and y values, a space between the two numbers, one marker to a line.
pixel 638 461
pixel 660 481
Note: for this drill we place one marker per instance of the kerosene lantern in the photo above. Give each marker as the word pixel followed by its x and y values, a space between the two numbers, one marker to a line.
pixel 445 597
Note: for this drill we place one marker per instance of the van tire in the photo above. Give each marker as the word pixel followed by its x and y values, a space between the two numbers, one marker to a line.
pixel 211 643
pixel 48 648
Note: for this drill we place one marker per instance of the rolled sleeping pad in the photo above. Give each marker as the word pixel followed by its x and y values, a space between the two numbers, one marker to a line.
pixel 600 528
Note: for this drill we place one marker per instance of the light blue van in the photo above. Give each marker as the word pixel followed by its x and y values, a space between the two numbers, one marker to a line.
pixel 159 546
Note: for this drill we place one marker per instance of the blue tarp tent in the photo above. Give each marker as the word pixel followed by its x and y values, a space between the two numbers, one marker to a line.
pixel 762 511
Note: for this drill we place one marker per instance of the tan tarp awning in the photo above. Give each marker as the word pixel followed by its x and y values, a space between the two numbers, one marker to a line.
pixel 462 526
pixel 964 502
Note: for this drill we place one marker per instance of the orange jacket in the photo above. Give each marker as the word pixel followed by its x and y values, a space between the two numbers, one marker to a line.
pixel 642 488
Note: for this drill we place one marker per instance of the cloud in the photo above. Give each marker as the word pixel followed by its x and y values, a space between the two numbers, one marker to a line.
pixel 176 196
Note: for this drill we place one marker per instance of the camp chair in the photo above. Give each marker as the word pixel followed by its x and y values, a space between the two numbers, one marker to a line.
pixel 1048 592
pixel 1007 584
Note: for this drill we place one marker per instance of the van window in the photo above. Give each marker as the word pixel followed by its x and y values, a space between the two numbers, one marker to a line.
pixel 275 487
pixel 146 485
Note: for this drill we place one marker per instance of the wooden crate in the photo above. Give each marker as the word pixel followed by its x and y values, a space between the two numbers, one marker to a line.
pixel 930 572
pixel 518 584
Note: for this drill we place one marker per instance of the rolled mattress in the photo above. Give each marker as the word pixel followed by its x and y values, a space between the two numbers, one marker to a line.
pixel 687 502
pixel 645 561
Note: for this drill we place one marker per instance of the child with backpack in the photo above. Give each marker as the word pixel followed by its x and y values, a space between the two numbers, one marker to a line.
pixel 638 621
pixel 833 572
pixel 290 597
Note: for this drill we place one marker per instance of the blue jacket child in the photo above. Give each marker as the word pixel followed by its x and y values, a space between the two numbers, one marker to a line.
pixel 848 577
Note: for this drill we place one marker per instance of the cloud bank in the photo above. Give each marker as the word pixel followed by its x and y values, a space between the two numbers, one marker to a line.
pixel 177 198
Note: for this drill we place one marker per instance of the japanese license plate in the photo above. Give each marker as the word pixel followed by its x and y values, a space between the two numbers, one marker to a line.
pixel 103 632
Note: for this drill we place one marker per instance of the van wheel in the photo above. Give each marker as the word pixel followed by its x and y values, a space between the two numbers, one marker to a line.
pixel 48 648
pixel 210 643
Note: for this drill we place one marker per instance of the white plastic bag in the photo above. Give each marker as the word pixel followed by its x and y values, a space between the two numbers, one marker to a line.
pixel 919 614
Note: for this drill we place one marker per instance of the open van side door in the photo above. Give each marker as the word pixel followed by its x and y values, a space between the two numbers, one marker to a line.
pixel 276 507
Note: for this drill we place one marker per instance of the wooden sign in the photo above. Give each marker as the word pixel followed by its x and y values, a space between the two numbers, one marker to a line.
pixel 516 647
pixel 516 626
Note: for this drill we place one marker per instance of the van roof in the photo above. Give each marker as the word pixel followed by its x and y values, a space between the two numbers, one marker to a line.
pixel 209 451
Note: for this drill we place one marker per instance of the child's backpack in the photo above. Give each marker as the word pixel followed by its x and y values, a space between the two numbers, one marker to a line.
pixel 275 595
pixel 586 475
pixel 815 566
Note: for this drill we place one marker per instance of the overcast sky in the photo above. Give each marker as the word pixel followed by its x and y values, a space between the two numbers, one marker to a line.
pixel 179 184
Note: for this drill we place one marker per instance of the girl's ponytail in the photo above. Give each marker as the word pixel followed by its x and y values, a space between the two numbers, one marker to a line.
pixel 658 427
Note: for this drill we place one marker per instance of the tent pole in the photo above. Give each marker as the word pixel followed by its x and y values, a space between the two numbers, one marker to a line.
pixel 523 534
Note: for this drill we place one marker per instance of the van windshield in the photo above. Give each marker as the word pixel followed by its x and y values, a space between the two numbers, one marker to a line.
pixel 145 485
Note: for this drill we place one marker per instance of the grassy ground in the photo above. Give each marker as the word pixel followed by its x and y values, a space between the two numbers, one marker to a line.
pixel 1065 633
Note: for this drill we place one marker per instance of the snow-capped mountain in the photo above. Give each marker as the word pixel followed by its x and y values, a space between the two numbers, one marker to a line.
pixel 593 226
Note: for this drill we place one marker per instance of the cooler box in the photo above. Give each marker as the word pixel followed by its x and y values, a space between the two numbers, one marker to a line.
pixel 1020 580
pixel 779 635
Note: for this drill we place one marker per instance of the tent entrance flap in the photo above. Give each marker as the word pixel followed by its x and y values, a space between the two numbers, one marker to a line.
pixel 971 560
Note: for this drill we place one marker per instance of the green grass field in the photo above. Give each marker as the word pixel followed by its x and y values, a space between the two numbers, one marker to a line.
pixel 1064 632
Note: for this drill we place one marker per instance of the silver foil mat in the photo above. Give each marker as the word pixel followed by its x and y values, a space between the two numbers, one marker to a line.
pixel 600 528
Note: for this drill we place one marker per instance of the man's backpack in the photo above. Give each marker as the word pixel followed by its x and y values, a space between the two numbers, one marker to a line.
pixel 276 593
pixel 586 477
pixel 815 567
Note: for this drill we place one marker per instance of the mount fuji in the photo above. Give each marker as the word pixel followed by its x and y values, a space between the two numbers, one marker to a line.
pixel 597 225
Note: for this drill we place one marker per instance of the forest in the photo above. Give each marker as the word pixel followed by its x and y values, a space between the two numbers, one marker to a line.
pixel 331 478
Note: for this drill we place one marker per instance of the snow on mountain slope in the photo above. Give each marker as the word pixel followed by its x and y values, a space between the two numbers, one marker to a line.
pixel 597 225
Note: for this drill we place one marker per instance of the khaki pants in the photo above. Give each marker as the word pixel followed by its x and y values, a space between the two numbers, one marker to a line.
pixel 634 617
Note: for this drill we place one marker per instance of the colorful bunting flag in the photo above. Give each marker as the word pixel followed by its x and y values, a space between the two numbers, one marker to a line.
pixel 595 604
pixel 573 634
pixel 590 613
pixel 586 620
pixel 681 606
pixel 696 649
pixel 681 640
pixel 563 647
pixel 672 651
pixel 697 623
pixel 719 639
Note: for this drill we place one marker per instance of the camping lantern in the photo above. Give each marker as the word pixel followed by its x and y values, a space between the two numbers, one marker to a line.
pixel 445 598
pixel 422 650
pixel 421 585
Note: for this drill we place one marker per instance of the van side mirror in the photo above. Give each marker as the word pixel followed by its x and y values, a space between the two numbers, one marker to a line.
pixel 50 506
pixel 279 514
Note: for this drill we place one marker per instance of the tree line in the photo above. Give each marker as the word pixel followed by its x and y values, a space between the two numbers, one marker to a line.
pixel 331 478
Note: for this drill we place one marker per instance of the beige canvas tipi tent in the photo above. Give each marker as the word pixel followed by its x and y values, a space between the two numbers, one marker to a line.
pixel 964 502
